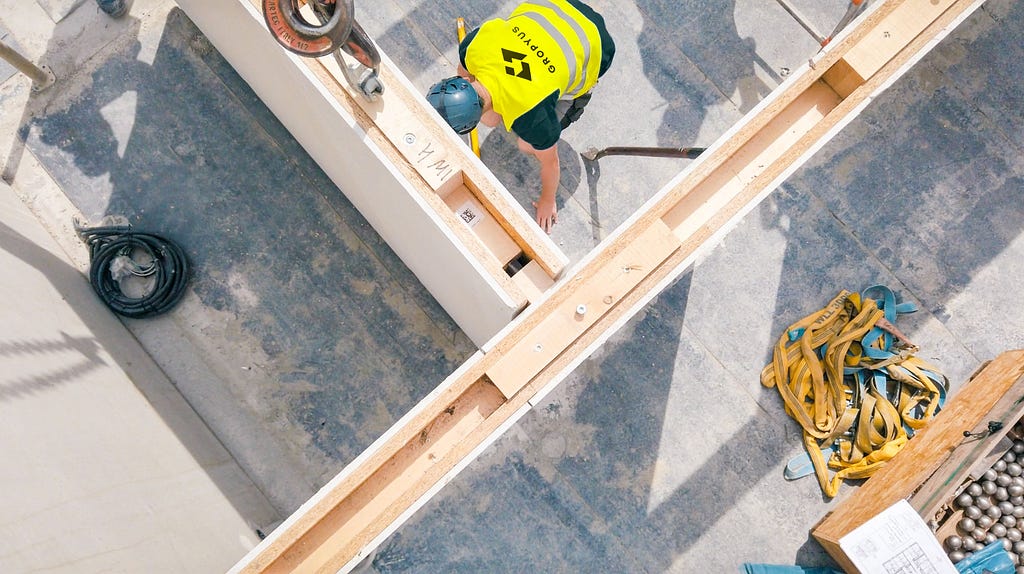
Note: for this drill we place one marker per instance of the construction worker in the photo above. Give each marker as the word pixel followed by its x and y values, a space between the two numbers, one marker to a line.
pixel 533 73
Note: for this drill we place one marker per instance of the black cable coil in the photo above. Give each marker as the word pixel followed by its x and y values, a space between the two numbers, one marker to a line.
pixel 118 247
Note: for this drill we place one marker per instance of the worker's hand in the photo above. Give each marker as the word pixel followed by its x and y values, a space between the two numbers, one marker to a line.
pixel 547 213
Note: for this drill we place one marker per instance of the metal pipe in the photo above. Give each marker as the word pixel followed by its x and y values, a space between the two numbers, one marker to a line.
pixel 822 40
pixel 856 7
pixel 42 77
pixel 594 154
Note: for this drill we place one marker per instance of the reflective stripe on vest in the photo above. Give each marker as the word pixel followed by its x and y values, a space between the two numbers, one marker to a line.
pixel 567 29
pixel 545 46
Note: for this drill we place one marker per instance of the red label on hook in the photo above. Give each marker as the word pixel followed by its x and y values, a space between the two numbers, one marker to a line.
pixel 314 41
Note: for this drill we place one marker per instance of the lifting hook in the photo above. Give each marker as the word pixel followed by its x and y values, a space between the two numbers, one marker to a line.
pixel 336 28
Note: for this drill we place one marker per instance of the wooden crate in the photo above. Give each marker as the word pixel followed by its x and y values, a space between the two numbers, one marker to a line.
pixel 940 460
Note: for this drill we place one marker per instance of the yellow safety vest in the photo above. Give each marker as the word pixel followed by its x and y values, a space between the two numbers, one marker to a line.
pixel 544 46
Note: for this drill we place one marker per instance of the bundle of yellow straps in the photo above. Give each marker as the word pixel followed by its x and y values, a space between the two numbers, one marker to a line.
pixel 851 380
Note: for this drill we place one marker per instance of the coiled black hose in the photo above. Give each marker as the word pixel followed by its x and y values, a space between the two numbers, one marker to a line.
pixel 119 251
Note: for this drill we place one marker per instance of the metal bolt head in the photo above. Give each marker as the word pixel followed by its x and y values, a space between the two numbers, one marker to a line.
pixel 410 138
pixel 998 529
pixel 954 542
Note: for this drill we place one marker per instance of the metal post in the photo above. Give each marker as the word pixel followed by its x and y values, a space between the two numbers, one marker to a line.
pixel 42 77
pixel 856 7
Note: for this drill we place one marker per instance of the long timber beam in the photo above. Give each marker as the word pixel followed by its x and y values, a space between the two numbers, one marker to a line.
pixel 421 453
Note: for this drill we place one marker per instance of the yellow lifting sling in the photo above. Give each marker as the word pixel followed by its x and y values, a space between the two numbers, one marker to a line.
pixel 852 382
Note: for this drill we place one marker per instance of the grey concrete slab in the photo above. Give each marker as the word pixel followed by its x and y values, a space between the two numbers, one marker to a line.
pixel 321 330
pixel 106 467
pixel 938 172
pixel 795 256
pixel 7 70
pixel 59 9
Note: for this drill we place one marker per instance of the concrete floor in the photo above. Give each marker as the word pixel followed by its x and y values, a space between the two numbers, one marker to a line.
pixel 303 337
pixel 106 467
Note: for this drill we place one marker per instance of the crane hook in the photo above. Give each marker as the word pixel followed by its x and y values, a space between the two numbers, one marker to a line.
pixel 296 34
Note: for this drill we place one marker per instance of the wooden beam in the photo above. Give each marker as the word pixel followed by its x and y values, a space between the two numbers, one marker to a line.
pixel 938 460
pixel 367 501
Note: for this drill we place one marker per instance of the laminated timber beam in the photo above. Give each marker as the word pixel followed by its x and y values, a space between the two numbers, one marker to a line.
pixel 372 496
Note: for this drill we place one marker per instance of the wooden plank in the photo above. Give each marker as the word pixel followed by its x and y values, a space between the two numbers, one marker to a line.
pixel 843 78
pixel 592 298
pixel 752 159
pixel 533 281
pixel 895 31
pixel 744 165
pixel 970 455
pixel 327 542
pixel 997 391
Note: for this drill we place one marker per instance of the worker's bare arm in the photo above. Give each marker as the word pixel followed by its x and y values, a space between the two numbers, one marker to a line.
pixel 547 212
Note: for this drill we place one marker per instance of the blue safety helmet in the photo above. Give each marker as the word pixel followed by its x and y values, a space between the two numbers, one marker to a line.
pixel 457 102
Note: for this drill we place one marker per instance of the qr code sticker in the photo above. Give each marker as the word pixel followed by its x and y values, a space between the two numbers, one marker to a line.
pixel 470 213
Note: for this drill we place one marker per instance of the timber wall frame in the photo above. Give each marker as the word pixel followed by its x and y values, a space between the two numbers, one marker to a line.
pixel 405 171
pixel 376 493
